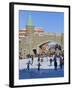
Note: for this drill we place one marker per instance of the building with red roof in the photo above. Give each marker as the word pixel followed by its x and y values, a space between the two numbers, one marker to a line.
pixel 33 40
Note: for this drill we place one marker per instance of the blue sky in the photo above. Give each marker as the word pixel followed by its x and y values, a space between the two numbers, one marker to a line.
pixel 49 21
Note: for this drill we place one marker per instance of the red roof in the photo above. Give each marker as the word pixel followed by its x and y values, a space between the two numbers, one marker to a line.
pixel 23 30
pixel 36 30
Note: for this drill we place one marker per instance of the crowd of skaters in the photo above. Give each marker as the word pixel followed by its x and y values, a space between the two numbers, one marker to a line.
pixel 52 58
pixel 59 53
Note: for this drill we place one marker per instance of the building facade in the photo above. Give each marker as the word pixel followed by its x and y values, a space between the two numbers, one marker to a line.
pixel 33 40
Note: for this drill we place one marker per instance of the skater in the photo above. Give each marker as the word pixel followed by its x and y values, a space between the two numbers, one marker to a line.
pixel 41 59
pixel 39 66
pixel 28 65
pixel 61 62
pixel 55 63
pixel 32 58
pixel 50 61
pixel 38 58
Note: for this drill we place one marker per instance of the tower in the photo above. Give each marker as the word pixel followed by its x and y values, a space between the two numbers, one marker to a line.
pixel 30 26
pixel 30 30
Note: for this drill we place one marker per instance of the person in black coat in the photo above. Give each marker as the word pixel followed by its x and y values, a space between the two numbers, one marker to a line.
pixel 61 62
pixel 32 58
pixel 39 66
pixel 55 63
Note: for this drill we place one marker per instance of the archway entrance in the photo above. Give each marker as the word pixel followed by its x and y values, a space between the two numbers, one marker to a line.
pixel 35 52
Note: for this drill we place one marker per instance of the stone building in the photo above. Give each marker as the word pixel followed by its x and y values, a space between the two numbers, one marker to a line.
pixel 33 40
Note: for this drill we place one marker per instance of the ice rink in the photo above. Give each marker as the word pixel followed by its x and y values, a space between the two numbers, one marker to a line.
pixel 44 65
